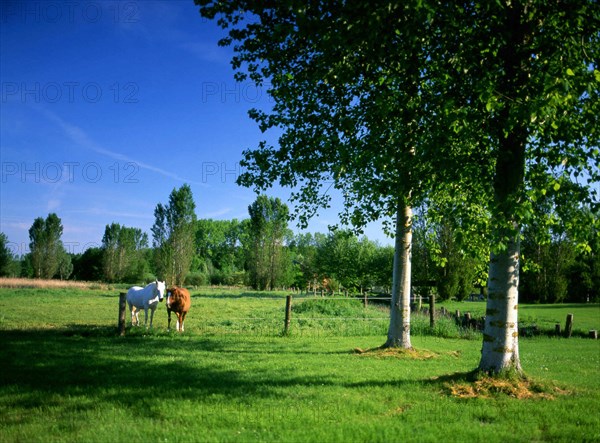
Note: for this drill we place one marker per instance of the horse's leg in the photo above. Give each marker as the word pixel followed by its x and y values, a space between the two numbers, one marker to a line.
pixel 146 317
pixel 152 315
pixel 133 315
pixel 182 319
pixel 169 319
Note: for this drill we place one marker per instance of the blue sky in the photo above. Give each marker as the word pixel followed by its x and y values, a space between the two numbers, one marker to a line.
pixel 107 106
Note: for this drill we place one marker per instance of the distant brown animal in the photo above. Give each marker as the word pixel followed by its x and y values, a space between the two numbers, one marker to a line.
pixel 178 301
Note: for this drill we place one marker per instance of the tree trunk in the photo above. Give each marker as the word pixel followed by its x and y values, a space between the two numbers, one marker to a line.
pixel 399 330
pixel 500 350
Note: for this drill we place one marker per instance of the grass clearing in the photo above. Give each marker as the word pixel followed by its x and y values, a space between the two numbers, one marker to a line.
pixel 66 376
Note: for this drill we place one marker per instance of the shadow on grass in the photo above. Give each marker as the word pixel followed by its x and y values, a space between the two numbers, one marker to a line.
pixel 148 372
pixel 92 364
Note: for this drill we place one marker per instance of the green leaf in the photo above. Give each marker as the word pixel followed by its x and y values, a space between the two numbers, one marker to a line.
pixel 556 186
pixel 570 72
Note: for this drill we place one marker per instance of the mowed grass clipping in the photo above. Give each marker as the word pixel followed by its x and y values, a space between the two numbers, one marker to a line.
pixel 66 376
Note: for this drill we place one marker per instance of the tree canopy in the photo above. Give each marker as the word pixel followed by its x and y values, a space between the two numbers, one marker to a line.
pixel 489 105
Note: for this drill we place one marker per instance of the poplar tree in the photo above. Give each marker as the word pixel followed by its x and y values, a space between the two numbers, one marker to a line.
pixel 45 245
pixel 121 251
pixel 174 233
pixel 267 231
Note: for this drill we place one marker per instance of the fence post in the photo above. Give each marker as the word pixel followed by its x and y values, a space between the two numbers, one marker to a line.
pixel 467 320
pixel 569 326
pixel 593 334
pixel 122 309
pixel 431 310
pixel 557 329
pixel 288 314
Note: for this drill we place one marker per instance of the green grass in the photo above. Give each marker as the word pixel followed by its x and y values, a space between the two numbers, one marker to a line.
pixel 66 376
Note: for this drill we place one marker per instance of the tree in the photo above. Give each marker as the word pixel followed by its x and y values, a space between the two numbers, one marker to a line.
pixel 218 248
pixel 174 233
pixel 65 265
pixel 382 264
pixel 305 248
pixel 46 246
pixel 584 275
pixel 479 105
pixel 267 260
pixel 336 258
pixel 365 257
pixel 553 268
pixel 347 259
pixel 456 270
pixel 526 74
pixel 122 248
pixel 6 256
pixel 351 112
pixel 89 265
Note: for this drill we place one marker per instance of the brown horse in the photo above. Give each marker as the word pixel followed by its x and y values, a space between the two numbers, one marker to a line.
pixel 178 301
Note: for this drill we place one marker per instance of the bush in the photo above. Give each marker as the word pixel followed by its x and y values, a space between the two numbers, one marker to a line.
pixel 330 308
pixel 196 279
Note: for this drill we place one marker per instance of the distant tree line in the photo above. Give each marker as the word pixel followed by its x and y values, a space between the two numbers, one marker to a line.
pixel 263 253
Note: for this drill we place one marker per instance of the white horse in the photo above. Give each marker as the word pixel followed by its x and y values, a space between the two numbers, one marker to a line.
pixel 145 298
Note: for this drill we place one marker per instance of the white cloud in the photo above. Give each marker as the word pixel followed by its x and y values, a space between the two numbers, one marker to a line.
pixel 116 214
pixel 82 139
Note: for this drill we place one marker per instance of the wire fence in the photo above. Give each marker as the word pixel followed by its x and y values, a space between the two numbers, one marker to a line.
pixel 327 317
pixel 366 316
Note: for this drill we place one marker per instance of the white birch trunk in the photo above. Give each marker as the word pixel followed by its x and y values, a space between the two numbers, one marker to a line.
pixel 500 350
pixel 399 330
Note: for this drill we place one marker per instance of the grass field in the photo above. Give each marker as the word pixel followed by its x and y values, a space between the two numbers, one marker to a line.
pixel 67 377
